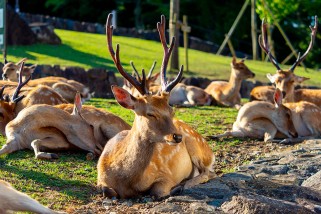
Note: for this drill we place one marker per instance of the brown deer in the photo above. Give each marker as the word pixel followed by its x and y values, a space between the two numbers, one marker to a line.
pixel 263 120
pixel 66 88
pixel 228 93
pixel 286 80
pixel 13 200
pixel 44 127
pixel 11 105
pixel 157 153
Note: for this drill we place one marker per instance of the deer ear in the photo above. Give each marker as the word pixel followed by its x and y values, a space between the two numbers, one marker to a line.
pixel 278 97
pixel 32 68
pixel 234 60
pixel 123 97
pixel 271 78
pixel 77 104
pixel 154 78
pixel 299 79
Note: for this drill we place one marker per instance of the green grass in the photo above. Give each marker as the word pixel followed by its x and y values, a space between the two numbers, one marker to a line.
pixel 90 50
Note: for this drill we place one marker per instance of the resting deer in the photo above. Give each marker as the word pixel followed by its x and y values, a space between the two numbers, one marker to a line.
pixel 228 93
pixel 286 80
pixel 157 153
pixel 263 120
pixel 13 200
pixel 66 88
pixel 44 127
pixel 10 106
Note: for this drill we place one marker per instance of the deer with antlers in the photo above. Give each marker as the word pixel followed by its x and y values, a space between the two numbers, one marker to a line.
pixel 228 93
pixel 286 80
pixel 13 200
pixel 10 106
pixel 158 152
pixel 66 88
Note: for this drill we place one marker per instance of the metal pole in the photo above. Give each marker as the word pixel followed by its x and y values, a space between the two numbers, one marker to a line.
pixel 233 27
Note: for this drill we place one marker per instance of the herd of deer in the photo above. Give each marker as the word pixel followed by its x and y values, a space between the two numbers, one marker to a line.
pixel 174 155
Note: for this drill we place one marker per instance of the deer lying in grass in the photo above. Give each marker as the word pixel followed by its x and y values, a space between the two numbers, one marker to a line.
pixel 263 120
pixel 10 106
pixel 158 153
pixel 13 200
pixel 286 80
pixel 44 127
pixel 66 88
pixel 228 93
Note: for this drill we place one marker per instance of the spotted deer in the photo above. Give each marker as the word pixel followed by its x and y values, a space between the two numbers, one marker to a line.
pixel 66 88
pixel 158 152
pixel 263 120
pixel 11 103
pixel 43 128
pixel 228 93
pixel 13 200
pixel 286 80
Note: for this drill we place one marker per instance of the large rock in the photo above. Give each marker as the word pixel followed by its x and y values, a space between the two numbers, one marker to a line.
pixel 313 182
pixel 18 30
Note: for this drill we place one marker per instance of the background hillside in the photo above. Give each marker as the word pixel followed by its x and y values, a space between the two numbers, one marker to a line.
pixel 89 50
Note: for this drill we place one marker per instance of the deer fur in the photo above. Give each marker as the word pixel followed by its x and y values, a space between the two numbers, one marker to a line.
pixel 44 127
pixel 263 120
pixel 13 200
pixel 228 93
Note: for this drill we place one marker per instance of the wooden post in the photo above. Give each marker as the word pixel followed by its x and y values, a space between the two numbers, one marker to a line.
pixel 253 30
pixel 186 29
pixel 229 34
pixel 174 32
pixel 231 47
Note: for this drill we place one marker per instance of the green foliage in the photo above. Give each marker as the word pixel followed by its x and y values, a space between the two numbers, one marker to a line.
pixel 275 10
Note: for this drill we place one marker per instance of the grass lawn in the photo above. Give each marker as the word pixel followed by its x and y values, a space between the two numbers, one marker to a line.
pixel 90 50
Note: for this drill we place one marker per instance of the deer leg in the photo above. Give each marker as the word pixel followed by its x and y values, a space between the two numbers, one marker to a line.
pixel 298 139
pixel 48 143
pixel 162 189
pixel 201 178
pixel 10 147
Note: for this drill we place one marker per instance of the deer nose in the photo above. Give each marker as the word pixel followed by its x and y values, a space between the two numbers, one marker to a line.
pixel 177 138
pixel 283 93
pixel 253 74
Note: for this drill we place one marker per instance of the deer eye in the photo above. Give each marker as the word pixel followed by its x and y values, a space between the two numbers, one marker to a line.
pixel 151 115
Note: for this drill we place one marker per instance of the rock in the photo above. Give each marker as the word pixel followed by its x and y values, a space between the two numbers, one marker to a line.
pixel 261 204
pixel 313 182
pixel 167 208
pixel 45 33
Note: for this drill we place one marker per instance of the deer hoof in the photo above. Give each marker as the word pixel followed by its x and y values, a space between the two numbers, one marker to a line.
pixel 54 156
pixel 108 192
pixel 90 156
pixel 177 190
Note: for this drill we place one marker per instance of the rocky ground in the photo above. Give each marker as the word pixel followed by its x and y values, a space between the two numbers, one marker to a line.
pixel 279 179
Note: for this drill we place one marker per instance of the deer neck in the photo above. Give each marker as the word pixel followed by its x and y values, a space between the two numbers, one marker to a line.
pixel 139 150
pixel 234 83
pixel 290 96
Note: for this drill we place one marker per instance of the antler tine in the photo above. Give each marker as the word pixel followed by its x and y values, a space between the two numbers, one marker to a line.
pixel 15 97
pixel 151 70
pixel 115 56
pixel 265 45
pixel 178 78
pixel 135 71
pixel 313 33
pixel 5 61
pixel 167 54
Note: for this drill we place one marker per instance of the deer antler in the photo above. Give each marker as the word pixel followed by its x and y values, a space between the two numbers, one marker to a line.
pixel 149 73
pixel 265 46
pixel 140 86
pixel 167 52
pixel 313 33
pixel 15 98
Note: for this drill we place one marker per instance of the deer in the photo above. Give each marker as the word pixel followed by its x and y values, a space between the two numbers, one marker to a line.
pixel 159 155
pixel 44 127
pixel 66 88
pixel 10 106
pixel 228 93
pixel 286 80
pixel 263 120
pixel 14 200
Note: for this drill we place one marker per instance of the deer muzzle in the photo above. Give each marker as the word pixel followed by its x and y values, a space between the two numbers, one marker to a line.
pixel 173 139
